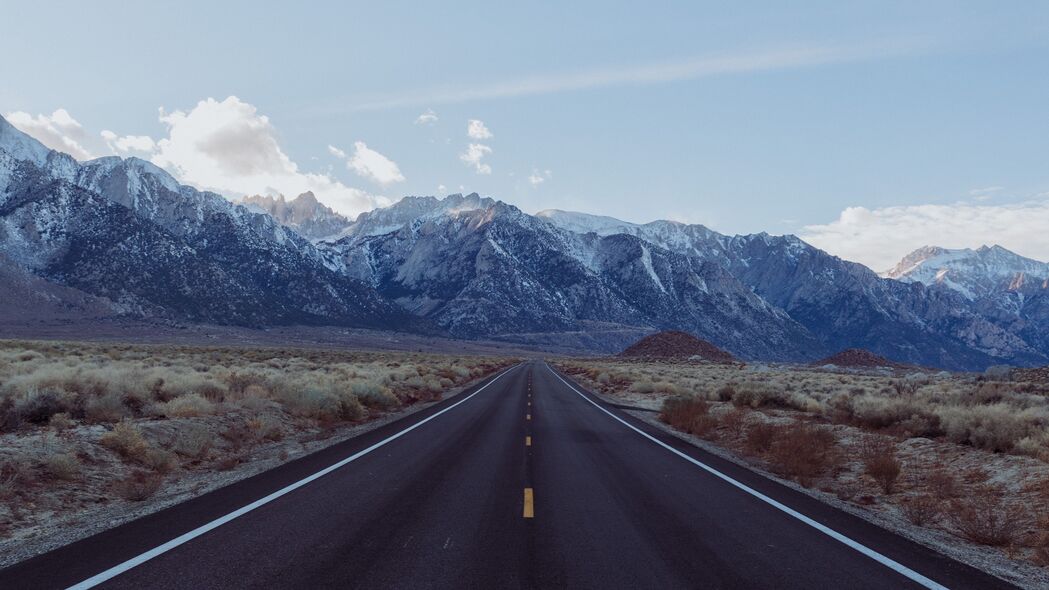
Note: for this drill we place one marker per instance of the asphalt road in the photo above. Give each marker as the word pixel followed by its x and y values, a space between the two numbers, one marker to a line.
pixel 522 482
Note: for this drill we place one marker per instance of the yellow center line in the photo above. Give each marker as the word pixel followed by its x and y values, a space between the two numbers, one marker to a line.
pixel 528 416
pixel 529 509
pixel 528 441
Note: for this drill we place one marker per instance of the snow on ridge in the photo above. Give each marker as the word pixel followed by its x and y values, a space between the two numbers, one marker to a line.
pixel 646 261
pixel 973 273
pixel 20 146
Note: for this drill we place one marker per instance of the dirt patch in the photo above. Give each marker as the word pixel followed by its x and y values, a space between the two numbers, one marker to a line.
pixel 674 344
pixel 858 357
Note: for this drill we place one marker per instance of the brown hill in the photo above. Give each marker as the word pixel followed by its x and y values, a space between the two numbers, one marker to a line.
pixel 675 344
pixel 858 357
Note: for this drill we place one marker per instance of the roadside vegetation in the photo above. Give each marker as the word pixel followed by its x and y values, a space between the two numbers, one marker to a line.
pixel 956 454
pixel 102 426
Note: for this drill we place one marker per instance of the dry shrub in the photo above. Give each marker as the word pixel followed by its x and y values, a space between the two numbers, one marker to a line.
pixel 61 421
pixel 996 427
pixel 324 402
pixel 159 460
pixel 735 421
pixel 228 462
pixel 760 437
pixel 266 428
pixel 127 441
pixel 139 486
pixel 238 435
pixel 15 474
pixel 683 413
pixel 725 393
pixel 983 517
pixel 921 510
pixel 106 409
pixel 38 407
pixel 187 406
pixel 804 452
pixel 942 484
pixel 373 395
pixel 193 441
pixel 879 461
pixel 64 466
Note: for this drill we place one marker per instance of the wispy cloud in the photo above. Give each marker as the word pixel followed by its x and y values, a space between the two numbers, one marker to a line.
pixel 644 74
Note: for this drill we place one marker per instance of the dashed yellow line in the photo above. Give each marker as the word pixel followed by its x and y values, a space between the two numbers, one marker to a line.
pixel 528 441
pixel 528 416
pixel 529 508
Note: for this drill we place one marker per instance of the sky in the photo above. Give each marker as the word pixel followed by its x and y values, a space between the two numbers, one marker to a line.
pixel 867 128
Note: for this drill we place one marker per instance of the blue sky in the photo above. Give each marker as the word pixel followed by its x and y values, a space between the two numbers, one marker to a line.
pixel 867 128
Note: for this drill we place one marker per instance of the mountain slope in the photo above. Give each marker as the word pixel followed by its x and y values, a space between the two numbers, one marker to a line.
pixel 125 230
pixel 843 304
pixel 481 267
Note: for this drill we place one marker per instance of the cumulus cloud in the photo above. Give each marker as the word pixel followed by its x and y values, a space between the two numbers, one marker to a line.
pixel 475 129
pixel 374 166
pixel 427 118
pixel 538 177
pixel 879 238
pixel 228 147
pixel 128 143
pixel 58 131
pixel 336 152
pixel 475 152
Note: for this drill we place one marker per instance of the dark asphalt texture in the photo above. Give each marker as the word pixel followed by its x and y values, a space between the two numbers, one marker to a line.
pixel 442 507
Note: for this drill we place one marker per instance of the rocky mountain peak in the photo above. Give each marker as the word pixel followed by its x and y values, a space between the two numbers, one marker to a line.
pixel 304 214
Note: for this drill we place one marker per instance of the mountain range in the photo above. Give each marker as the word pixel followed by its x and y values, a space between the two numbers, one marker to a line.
pixel 127 238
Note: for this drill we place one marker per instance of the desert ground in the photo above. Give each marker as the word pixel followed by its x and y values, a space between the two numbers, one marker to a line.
pixel 955 461
pixel 96 434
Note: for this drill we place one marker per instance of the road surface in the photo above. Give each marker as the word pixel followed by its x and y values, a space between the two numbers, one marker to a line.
pixel 523 481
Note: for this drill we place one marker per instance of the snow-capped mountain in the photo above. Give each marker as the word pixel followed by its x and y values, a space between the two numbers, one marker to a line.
pixel 125 230
pixel 1008 289
pixel 304 214
pixel 480 267
pixel 987 270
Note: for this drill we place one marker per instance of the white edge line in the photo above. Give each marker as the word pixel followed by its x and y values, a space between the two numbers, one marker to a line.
pixel 193 534
pixel 886 561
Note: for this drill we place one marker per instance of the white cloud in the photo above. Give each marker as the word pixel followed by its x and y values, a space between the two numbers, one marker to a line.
pixel 538 177
pixel 473 155
pixel 441 188
pixel 128 143
pixel 879 238
pixel 475 129
pixel 228 147
pixel 427 118
pixel 374 166
pixel 336 152
pixel 59 131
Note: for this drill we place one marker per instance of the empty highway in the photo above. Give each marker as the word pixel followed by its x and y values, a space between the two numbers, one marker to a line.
pixel 523 481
